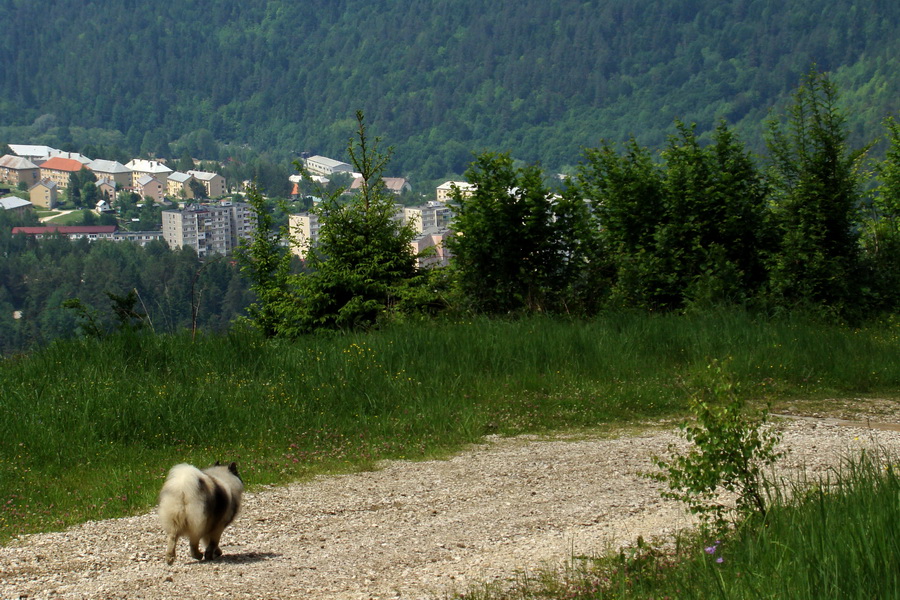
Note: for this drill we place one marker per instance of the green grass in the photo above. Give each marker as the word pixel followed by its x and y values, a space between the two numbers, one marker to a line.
pixel 838 537
pixel 72 218
pixel 88 428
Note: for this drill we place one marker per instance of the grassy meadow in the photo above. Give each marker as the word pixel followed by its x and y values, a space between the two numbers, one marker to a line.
pixel 88 428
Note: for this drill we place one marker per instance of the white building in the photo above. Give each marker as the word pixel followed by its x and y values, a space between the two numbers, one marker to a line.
pixel 445 190
pixel 321 165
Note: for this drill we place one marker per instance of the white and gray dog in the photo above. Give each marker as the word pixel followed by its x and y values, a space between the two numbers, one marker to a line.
pixel 200 505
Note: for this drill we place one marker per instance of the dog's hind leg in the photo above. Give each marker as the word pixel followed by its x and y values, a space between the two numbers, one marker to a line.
pixel 195 548
pixel 212 548
pixel 170 548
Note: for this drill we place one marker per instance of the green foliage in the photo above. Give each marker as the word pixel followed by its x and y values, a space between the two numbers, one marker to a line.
pixel 363 254
pixel 687 230
pixel 266 263
pixel 730 449
pixel 37 278
pixel 353 275
pixel 816 184
pixel 518 246
pixel 288 409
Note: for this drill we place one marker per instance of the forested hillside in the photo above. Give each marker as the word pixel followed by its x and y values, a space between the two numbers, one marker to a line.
pixel 438 80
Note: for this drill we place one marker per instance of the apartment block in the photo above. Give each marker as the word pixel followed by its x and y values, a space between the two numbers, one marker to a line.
pixel 209 229
pixel 431 216
pixel 304 232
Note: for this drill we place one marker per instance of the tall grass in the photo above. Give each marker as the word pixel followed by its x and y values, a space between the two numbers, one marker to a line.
pixel 88 428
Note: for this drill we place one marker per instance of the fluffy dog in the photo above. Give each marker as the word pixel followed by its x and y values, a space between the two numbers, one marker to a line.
pixel 200 505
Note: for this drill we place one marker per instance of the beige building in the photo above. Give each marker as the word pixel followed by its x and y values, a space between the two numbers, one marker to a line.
pixel 179 186
pixel 304 231
pixel 445 190
pixel 140 167
pixel 59 169
pixel 430 249
pixel 16 169
pixel 213 182
pixel 45 194
pixel 113 171
pixel 430 216
pixel 108 189
pixel 149 187
pixel 209 229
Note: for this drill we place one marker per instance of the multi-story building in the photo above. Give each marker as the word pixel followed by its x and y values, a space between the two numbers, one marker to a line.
pixel 430 216
pixel 140 167
pixel 59 170
pixel 44 193
pixel 112 170
pixel 304 231
pixel 179 186
pixel 34 153
pixel 430 249
pixel 213 182
pixel 445 190
pixel 148 186
pixel 209 229
pixel 16 169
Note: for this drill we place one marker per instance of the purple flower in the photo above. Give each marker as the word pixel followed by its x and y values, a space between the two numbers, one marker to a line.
pixel 720 560
pixel 711 550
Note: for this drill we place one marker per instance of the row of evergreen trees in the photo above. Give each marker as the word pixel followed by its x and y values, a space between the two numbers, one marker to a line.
pixel 810 228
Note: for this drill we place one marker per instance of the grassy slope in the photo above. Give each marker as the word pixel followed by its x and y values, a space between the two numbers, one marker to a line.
pixel 88 429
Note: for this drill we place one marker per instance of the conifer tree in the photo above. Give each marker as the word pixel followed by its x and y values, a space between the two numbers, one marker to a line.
pixel 816 182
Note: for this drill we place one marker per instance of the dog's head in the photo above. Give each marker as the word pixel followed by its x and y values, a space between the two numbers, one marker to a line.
pixel 232 468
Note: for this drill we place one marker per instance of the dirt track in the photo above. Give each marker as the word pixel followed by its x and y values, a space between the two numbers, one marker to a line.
pixel 409 530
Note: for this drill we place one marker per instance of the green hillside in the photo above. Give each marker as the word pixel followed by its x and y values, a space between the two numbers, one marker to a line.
pixel 438 80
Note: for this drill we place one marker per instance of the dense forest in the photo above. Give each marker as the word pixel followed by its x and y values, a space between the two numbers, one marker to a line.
pixel 230 80
pixel 56 288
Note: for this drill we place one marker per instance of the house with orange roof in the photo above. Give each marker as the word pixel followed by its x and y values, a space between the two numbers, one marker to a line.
pixel 59 169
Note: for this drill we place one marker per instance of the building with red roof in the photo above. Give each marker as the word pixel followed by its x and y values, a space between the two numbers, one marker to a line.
pixel 59 169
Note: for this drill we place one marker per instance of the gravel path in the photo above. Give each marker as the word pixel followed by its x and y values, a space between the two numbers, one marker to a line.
pixel 408 530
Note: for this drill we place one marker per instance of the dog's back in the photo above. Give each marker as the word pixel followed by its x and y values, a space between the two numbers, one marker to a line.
pixel 199 504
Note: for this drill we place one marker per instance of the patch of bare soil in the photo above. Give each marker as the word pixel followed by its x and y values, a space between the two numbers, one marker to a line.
pixel 410 529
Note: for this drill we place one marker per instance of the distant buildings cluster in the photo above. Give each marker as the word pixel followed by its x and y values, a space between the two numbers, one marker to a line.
pixel 208 228
pixel 431 220
pixel 46 172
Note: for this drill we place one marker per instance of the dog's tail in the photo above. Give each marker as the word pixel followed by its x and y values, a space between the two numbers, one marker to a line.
pixel 177 494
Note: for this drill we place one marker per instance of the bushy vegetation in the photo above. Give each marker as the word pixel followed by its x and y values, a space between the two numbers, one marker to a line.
pixel 174 289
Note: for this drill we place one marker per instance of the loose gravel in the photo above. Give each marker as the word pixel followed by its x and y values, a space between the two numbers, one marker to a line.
pixel 410 529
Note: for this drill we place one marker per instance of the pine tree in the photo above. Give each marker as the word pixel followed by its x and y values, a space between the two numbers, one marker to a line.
pixel 816 203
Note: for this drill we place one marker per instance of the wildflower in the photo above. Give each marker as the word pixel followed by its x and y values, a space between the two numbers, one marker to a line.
pixel 720 560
